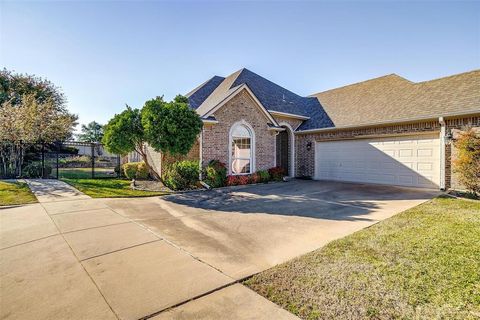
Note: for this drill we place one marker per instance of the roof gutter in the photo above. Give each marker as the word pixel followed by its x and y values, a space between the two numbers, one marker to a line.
pixel 209 121
pixel 390 122
pixel 288 115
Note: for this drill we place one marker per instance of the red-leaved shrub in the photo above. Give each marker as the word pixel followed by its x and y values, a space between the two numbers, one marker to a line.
pixel 232 180
pixel 243 180
pixel 255 178
pixel 276 173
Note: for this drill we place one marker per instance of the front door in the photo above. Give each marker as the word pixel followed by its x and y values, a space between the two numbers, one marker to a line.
pixel 282 151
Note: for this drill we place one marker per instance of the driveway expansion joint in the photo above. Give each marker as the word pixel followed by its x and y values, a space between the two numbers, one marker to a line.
pixel 171 243
pixel 189 300
pixel 82 266
pixel 119 250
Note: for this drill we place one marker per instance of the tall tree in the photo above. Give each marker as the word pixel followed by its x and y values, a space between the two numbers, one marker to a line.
pixel 168 127
pixel 92 132
pixel 32 109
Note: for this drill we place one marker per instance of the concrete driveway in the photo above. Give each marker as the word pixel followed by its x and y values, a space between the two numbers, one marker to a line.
pixel 176 257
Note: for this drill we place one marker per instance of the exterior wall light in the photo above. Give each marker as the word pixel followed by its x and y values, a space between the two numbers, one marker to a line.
pixel 448 137
pixel 309 146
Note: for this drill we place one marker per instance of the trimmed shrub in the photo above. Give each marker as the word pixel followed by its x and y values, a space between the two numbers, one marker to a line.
pixel 255 178
pixel 142 171
pixel 242 180
pixel 34 170
pixel 215 174
pixel 276 173
pixel 135 170
pixel 181 175
pixel 130 170
pixel 264 176
pixel 232 180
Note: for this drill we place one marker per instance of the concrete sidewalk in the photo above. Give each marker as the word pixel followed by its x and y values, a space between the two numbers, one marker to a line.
pixel 48 190
pixel 73 257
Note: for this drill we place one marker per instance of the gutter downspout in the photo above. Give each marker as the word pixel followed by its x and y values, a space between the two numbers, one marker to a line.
pixel 200 153
pixel 443 132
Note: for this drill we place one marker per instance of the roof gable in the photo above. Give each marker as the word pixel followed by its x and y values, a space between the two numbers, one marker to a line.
pixel 269 95
pixel 236 91
pixel 198 95
pixel 390 98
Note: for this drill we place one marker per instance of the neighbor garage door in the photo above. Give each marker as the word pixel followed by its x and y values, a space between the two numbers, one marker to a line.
pixel 406 161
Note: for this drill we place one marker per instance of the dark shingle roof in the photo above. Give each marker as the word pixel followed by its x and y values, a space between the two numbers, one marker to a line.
pixel 388 98
pixel 272 97
pixel 198 95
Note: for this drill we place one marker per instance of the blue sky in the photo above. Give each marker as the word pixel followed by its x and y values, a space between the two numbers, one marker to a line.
pixel 106 54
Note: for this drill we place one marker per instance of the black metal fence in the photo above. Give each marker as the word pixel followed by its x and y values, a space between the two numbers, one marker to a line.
pixel 67 159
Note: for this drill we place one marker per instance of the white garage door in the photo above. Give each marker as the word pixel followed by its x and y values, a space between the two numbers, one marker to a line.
pixel 412 161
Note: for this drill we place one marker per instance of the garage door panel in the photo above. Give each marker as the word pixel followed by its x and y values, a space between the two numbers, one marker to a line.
pixel 408 161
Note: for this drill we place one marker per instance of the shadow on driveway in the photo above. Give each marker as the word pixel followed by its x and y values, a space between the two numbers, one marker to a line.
pixel 305 198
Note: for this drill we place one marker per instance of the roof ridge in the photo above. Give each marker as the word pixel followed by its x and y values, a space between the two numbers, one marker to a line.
pixel 201 85
pixel 362 82
pixel 450 76
pixel 268 80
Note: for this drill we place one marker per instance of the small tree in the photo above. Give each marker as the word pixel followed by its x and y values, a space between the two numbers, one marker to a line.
pixel 168 127
pixel 467 163
pixel 32 109
pixel 92 132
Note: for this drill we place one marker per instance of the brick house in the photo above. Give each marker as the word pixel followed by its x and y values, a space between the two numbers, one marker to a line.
pixel 386 130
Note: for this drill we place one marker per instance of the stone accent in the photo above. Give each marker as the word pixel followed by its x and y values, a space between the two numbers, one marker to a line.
pixel 306 158
pixel 215 137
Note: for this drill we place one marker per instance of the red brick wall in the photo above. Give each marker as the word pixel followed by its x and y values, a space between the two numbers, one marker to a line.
pixel 216 137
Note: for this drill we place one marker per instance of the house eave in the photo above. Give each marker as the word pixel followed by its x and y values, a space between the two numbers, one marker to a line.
pixel 288 115
pixel 209 121
pixel 392 122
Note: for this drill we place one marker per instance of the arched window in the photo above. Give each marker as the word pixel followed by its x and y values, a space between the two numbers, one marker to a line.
pixel 241 156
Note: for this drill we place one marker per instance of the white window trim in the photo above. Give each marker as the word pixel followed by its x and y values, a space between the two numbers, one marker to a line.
pixel 252 147
pixel 292 147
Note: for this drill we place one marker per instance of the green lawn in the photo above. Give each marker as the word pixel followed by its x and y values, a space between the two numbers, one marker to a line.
pixel 84 173
pixel 15 193
pixel 109 188
pixel 423 263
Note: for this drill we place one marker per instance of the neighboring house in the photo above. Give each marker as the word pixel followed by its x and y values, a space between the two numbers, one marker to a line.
pixel 387 130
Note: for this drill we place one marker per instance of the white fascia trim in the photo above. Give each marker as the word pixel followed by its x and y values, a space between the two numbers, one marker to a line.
pixel 233 94
pixel 288 115
pixel 292 146
pixel 276 129
pixel 400 121
pixel 207 121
